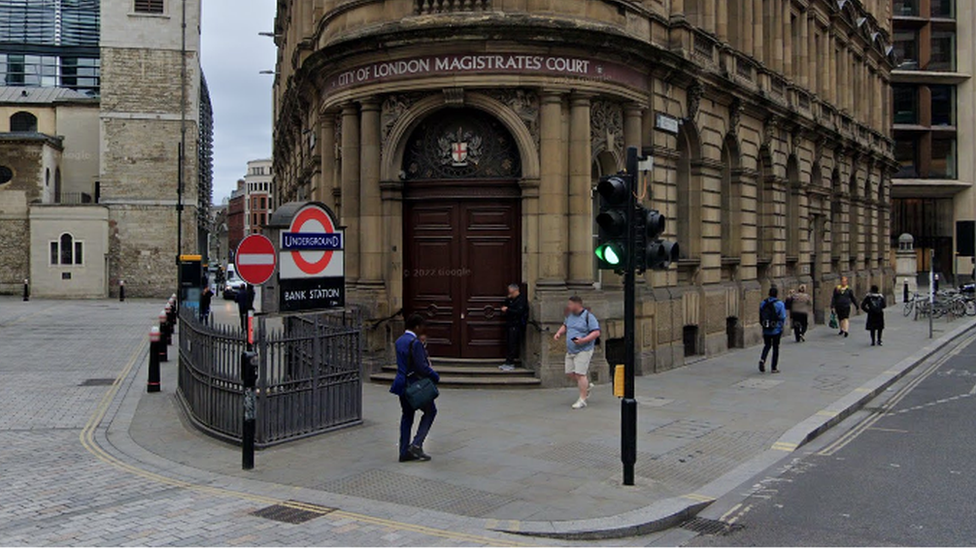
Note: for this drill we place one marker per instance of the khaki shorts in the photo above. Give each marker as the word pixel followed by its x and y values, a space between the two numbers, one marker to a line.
pixel 579 363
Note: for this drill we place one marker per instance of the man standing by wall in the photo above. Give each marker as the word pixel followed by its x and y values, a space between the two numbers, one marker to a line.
pixel 516 311
pixel 582 330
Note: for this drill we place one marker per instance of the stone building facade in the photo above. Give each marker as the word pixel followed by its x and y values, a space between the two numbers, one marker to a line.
pixel 144 114
pixel 460 142
pixel 101 136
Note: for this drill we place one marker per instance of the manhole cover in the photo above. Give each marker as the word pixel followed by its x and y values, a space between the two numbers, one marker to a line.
pixel 293 512
pixel 97 382
pixel 711 527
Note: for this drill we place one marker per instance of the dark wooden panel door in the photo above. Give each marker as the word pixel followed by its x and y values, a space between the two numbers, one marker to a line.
pixel 490 253
pixel 431 249
pixel 459 256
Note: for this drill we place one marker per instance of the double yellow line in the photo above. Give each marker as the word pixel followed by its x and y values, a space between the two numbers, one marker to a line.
pixel 886 408
pixel 87 438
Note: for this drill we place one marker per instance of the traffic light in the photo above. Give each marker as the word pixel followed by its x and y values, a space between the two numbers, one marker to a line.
pixel 613 245
pixel 652 253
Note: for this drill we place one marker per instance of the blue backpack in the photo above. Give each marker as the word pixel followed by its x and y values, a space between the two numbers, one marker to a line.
pixel 768 316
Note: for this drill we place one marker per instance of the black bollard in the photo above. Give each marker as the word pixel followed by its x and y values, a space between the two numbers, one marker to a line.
pixel 26 289
pixel 155 341
pixel 905 294
pixel 121 290
pixel 249 378
pixel 163 346
pixel 170 325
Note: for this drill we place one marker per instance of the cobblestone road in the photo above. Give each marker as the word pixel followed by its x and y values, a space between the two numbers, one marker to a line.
pixel 58 361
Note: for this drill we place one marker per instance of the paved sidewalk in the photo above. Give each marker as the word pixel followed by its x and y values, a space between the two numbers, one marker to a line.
pixel 524 461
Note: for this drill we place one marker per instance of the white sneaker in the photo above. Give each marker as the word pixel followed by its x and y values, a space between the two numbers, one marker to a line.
pixel 589 388
pixel 579 404
pixel 507 367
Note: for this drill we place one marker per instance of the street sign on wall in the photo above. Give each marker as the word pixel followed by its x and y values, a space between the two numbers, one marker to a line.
pixel 256 259
pixel 312 265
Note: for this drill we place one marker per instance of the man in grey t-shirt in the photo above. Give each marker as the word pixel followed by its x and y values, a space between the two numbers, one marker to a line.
pixel 581 329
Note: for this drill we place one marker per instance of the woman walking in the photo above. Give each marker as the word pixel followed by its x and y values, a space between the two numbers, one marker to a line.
pixel 841 304
pixel 874 305
pixel 799 306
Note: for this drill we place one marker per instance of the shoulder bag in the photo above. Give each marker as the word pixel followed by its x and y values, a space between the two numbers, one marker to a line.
pixel 422 392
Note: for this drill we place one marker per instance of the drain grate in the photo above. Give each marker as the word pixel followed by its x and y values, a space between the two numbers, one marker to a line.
pixel 97 382
pixel 293 512
pixel 711 527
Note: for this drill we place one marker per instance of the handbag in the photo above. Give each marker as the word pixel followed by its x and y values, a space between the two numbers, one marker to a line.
pixel 421 393
pixel 833 321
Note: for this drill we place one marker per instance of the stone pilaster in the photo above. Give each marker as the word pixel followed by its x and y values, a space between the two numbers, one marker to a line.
pixel 553 198
pixel 580 176
pixel 349 213
pixel 370 206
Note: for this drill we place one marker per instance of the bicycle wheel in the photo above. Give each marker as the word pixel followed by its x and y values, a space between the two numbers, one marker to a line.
pixel 957 307
pixel 909 305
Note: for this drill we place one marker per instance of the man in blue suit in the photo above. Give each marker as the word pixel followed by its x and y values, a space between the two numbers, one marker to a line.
pixel 412 366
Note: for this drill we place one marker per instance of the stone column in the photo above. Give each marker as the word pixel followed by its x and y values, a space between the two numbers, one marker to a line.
pixel 370 206
pixel 707 19
pixel 759 15
pixel 350 189
pixel 677 6
pixel 806 62
pixel 745 25
pixel 580 176
pixel 323 193
pixel 776 34
pixel 788 41
pixel 633 122
pixel 553 198
pixel 723 22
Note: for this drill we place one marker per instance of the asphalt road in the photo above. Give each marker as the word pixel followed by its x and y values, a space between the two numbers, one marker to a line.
pixel 900 472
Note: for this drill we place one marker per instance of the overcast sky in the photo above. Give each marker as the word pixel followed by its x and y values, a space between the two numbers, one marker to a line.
pixel 233 55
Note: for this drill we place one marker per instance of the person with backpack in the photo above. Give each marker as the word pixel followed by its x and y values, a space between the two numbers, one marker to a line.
pixel 841 303
pixel 582 329
pixel 874 305
pixel 516 311
pixel 799 306
pixel 413 365
pixel 772 317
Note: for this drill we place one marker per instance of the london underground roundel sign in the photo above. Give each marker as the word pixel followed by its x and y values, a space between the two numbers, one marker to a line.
pixel 312 271
pixel 256 259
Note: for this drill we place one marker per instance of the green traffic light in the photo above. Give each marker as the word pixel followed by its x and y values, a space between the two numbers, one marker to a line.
pixel 608 254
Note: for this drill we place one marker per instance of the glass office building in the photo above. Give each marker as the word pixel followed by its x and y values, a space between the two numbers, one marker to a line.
pixel 50 43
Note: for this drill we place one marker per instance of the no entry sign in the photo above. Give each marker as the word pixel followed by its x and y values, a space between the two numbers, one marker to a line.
pixel 256 259
pixel 312 274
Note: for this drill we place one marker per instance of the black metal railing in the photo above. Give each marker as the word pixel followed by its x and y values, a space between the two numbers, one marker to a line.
pixel 309 378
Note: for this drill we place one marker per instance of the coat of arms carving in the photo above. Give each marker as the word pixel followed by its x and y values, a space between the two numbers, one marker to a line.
pixel 460 149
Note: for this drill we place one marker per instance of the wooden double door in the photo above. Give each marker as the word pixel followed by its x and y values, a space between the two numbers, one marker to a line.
pixel 460 254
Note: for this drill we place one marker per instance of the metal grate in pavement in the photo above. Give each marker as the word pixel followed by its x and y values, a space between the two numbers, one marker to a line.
pixel 292 512
pixel 710 527
pixel 686 428
pixel 381 485
pixel 97 382
pixel 758 384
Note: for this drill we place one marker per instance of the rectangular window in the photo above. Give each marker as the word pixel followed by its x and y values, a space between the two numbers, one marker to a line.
pixel 149 6
pixel 79 259
pixel 943 9
pixel 943 158
pixel 943 105
pixel 906 8
pixel 906 104
pixel 943 51
pixel 906 50
pixel 54 253
pixel 906 153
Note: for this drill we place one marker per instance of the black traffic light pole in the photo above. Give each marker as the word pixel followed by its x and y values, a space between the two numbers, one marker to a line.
pixel 628 406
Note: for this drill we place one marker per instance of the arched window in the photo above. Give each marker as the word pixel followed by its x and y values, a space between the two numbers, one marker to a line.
pixel 836 215
pixel 792 222
pixel 67 251
pixel 689 199
pixel 731 201
pixel 23 122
